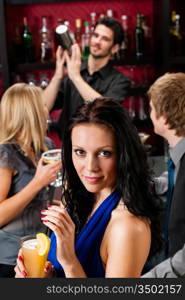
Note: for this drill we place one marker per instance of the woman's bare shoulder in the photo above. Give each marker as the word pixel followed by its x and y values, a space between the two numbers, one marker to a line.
pixel 129 232
pixel 122 219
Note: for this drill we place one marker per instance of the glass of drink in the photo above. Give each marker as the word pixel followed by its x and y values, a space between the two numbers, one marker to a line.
pixel 50 157
pixel 143 136
pixel 35 251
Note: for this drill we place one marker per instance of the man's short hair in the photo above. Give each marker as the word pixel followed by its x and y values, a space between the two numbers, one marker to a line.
pixel 115 26
pixel 167 95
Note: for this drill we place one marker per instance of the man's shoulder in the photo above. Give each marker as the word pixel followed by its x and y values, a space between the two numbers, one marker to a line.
pixel 119 74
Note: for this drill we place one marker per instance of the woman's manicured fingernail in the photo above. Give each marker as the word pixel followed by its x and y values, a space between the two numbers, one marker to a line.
pixel 47 268
pixel 20 257
pixel 24 273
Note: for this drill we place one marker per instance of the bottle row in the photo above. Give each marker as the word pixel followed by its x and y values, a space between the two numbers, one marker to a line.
pixel 27 47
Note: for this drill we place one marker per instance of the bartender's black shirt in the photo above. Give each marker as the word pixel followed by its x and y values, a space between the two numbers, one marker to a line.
pixel 106 81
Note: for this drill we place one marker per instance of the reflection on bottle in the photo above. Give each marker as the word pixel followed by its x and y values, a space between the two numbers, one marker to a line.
pixel 44 80
pixel 93 21
pixel 78 32
pixel 132 108
pixel 110 13
pixel 124 50
pixel 139 37
pixel 142 114
pixel 31 80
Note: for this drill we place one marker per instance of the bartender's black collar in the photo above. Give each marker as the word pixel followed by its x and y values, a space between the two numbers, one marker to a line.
pixel 103 72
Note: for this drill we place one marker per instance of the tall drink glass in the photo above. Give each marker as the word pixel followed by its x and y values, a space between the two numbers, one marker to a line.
pixel 50 157
pixel 33 261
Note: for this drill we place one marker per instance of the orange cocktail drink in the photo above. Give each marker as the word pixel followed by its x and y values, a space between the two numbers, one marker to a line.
pixel 35 251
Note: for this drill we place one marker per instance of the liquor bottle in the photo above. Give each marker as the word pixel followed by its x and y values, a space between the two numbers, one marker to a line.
pixel 176 36
pixel 93 21
pixel 141 113
pixel 147 35
pixel 46 52
pixel 110 13
pixel 27 43
pixel 146 27
pixel 44 80
pixel 86 41
pixel 78 32
pixel 101 16
pixel 171 31
pixel 139 37
pixel 132 107
pixel 17 47
pixel 124 50
pixel 30 79
pixel 172 21
pixel 56 37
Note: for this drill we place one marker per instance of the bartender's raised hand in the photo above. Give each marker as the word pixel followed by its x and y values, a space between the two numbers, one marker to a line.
pixel 60 70
pixel 74 62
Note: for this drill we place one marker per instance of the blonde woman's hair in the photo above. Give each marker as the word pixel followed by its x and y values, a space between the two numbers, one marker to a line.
pixel 22 115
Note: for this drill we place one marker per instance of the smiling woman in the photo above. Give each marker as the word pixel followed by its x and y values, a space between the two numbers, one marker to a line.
pixel 107 197
pixel 95 161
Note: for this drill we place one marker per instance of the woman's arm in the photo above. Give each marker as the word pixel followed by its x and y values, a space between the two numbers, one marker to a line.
pixel 59 221
pixel 126 256
pixel 12 206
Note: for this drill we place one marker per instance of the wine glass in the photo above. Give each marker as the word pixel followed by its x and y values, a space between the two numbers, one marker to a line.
pixel 50 157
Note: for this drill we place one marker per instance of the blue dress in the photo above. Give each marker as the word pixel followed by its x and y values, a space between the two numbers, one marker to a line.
pixel 88 241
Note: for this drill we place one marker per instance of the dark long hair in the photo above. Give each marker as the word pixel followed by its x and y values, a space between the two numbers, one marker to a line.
pixel 133 182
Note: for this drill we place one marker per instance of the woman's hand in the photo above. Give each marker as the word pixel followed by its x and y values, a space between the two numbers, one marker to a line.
pixel 49 270
pixel 20 271
pixel 45 174
pixel 59 221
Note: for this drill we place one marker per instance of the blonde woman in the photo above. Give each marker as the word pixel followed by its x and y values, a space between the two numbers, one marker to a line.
pixel 23 177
